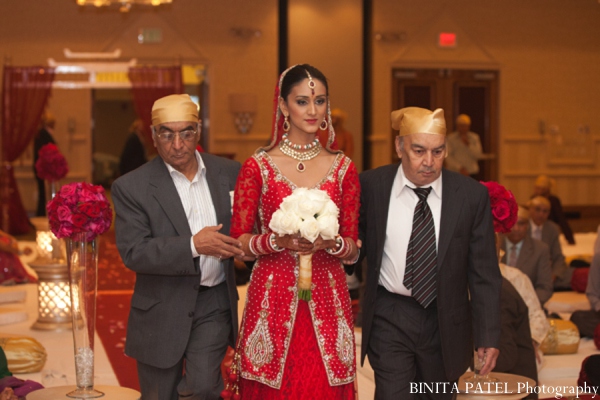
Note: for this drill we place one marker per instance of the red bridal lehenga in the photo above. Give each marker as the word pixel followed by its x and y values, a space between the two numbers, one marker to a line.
pixel 290 348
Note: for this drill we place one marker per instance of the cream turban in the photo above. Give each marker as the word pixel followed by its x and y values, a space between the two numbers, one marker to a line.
pixel 463 119
pixel 411 120
pixel 542 181
pixel 174 108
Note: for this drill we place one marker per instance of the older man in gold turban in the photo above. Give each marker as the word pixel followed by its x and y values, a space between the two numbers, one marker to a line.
pixel 429 241
pixel 172 226
pixel 464 148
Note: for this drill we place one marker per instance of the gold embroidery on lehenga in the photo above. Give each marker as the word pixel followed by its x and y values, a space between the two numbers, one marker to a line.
pixel 344 342
pixel 259 347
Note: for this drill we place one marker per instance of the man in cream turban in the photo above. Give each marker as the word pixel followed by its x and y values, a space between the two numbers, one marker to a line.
pixel 545 186
pixel 464 148
pixel 172 226
pixel 429 241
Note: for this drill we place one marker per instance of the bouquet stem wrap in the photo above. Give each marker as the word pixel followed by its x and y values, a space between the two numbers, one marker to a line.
pixel 305 276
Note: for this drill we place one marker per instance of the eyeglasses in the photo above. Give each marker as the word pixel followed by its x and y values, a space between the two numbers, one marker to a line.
pixel 186 135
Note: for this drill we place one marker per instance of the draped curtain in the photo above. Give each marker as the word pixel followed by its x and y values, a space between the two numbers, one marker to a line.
pixel 149 84
pixel 25 94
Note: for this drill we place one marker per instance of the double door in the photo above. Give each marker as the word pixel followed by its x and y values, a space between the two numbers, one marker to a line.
pixel 471 92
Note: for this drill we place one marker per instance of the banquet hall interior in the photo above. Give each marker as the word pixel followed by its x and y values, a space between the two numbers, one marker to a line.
pixel 526 72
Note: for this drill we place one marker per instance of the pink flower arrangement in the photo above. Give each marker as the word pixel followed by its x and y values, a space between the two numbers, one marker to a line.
pixel 51 164
pixel 79 207
pixel 504 207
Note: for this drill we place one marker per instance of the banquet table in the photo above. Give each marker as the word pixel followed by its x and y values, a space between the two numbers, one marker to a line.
pixel 59 369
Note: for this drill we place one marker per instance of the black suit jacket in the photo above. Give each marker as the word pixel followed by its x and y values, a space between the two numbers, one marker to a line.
pixel 153 238
pixel 467 263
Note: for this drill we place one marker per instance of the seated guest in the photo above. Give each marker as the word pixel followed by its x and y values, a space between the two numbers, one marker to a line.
pixel 11 269
pixel 538 323
pixel 587 321
pixel 517 354
pixel 529 255
pixel 543 187
pixel 541 228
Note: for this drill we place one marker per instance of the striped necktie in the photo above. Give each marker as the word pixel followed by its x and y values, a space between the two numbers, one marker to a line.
pixel 512 256
pixel 421 255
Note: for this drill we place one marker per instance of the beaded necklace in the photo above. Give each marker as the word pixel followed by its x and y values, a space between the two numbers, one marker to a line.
pixel 300 152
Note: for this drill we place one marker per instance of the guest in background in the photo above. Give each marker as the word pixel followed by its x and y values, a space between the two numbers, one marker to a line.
pixel 423 329
pixel 587 321
pixel 464 148
pixel 529 255
pixel 11 269
pixel 343 137
pixel 543 187
pixel 172 221
pixel 134 152
pixel 541 228
pixel 42 138
pixel 517 354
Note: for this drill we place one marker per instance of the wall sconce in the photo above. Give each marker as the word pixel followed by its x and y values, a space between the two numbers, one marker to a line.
pixel 243 107
pixel 390 37
pixel 54 301
pixel 245 33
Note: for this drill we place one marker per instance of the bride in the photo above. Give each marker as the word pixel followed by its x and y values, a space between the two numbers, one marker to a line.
pixel 291 348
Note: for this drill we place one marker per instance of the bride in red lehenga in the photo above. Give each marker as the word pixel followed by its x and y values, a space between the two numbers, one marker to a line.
pixel 290 348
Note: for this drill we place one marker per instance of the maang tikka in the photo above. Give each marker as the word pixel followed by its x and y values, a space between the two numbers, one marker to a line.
pixel 311 83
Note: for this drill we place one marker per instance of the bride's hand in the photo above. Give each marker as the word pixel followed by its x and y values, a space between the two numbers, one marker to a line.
pixel 294 242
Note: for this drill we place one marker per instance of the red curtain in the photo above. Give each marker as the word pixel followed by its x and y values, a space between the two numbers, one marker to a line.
pixel 25 93
pixel 149 84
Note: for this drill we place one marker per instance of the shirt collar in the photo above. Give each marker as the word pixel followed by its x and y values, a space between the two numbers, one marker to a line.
pixel 510 244
pixel 533 225
pixel 201 168
pixel 403 182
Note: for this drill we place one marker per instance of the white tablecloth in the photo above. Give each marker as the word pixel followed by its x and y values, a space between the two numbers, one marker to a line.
pixel 58 345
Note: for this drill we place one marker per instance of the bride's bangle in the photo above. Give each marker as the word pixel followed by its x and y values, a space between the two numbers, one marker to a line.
pixel 339 246
pixel 264 244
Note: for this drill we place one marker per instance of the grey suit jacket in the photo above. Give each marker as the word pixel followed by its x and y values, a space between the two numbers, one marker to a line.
pixel 467 263
pixel 550 236
pixel 534 261
pixel 153 238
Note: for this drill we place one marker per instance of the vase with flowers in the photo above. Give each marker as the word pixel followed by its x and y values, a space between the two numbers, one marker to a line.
pixel 79 213
pixel 51 166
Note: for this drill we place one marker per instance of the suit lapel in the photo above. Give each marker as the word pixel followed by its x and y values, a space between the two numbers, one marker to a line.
pixel 163 189
pixel 218 186
pixel 525 254
pixel 451 208
pixel 382 196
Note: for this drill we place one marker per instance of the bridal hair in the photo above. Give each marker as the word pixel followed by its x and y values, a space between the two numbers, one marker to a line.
pixel 299 73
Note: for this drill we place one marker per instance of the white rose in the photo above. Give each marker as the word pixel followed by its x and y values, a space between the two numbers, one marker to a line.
pixel 289 205
pixel 328 226
pixel 319 198
pixel 284 223
pixel 330 209
pixel 309 229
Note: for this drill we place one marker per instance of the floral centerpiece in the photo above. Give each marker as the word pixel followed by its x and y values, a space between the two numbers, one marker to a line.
pixel 504 207
pixel 79 207
pixel 307 213
pixel 80 212
pixel 51 164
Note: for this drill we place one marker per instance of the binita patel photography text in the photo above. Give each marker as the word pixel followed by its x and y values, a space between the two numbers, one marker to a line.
pixel 558 392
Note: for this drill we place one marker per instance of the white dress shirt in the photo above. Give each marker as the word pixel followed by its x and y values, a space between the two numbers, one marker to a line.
pixel 403 201
pixel 200 212
pixel 536 230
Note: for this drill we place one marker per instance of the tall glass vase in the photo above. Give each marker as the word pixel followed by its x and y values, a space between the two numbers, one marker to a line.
pixel 52 188
pixel 82 258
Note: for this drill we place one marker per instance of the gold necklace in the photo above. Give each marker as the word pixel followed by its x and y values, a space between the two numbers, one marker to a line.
pixel 286 148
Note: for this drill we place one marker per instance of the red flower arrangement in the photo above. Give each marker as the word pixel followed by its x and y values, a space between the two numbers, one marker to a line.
pixel 504 207
pixel 51 164
pixel 79 207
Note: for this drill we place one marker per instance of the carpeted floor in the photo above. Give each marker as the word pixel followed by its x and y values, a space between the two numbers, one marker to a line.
pixel 115 287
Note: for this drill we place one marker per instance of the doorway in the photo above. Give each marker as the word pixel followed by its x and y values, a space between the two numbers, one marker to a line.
pixel 457 91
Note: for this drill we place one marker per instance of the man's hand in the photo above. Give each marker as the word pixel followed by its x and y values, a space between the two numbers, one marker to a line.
pixel 489 355
pixel 212 243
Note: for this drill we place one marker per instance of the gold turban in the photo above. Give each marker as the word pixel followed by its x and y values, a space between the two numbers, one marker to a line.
pixel 411 120
pixel 540 201
pixel 339 113
pixel 463 119
pixel 174 108
pixel 523 213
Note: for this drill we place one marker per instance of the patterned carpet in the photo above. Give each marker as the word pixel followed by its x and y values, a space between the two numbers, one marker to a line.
pixel 115 287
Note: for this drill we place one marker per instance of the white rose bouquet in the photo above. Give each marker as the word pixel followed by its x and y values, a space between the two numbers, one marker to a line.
pixel 310 213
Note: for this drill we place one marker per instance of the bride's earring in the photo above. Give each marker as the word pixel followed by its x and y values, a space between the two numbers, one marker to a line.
pixel 286 124
pixel 324 124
